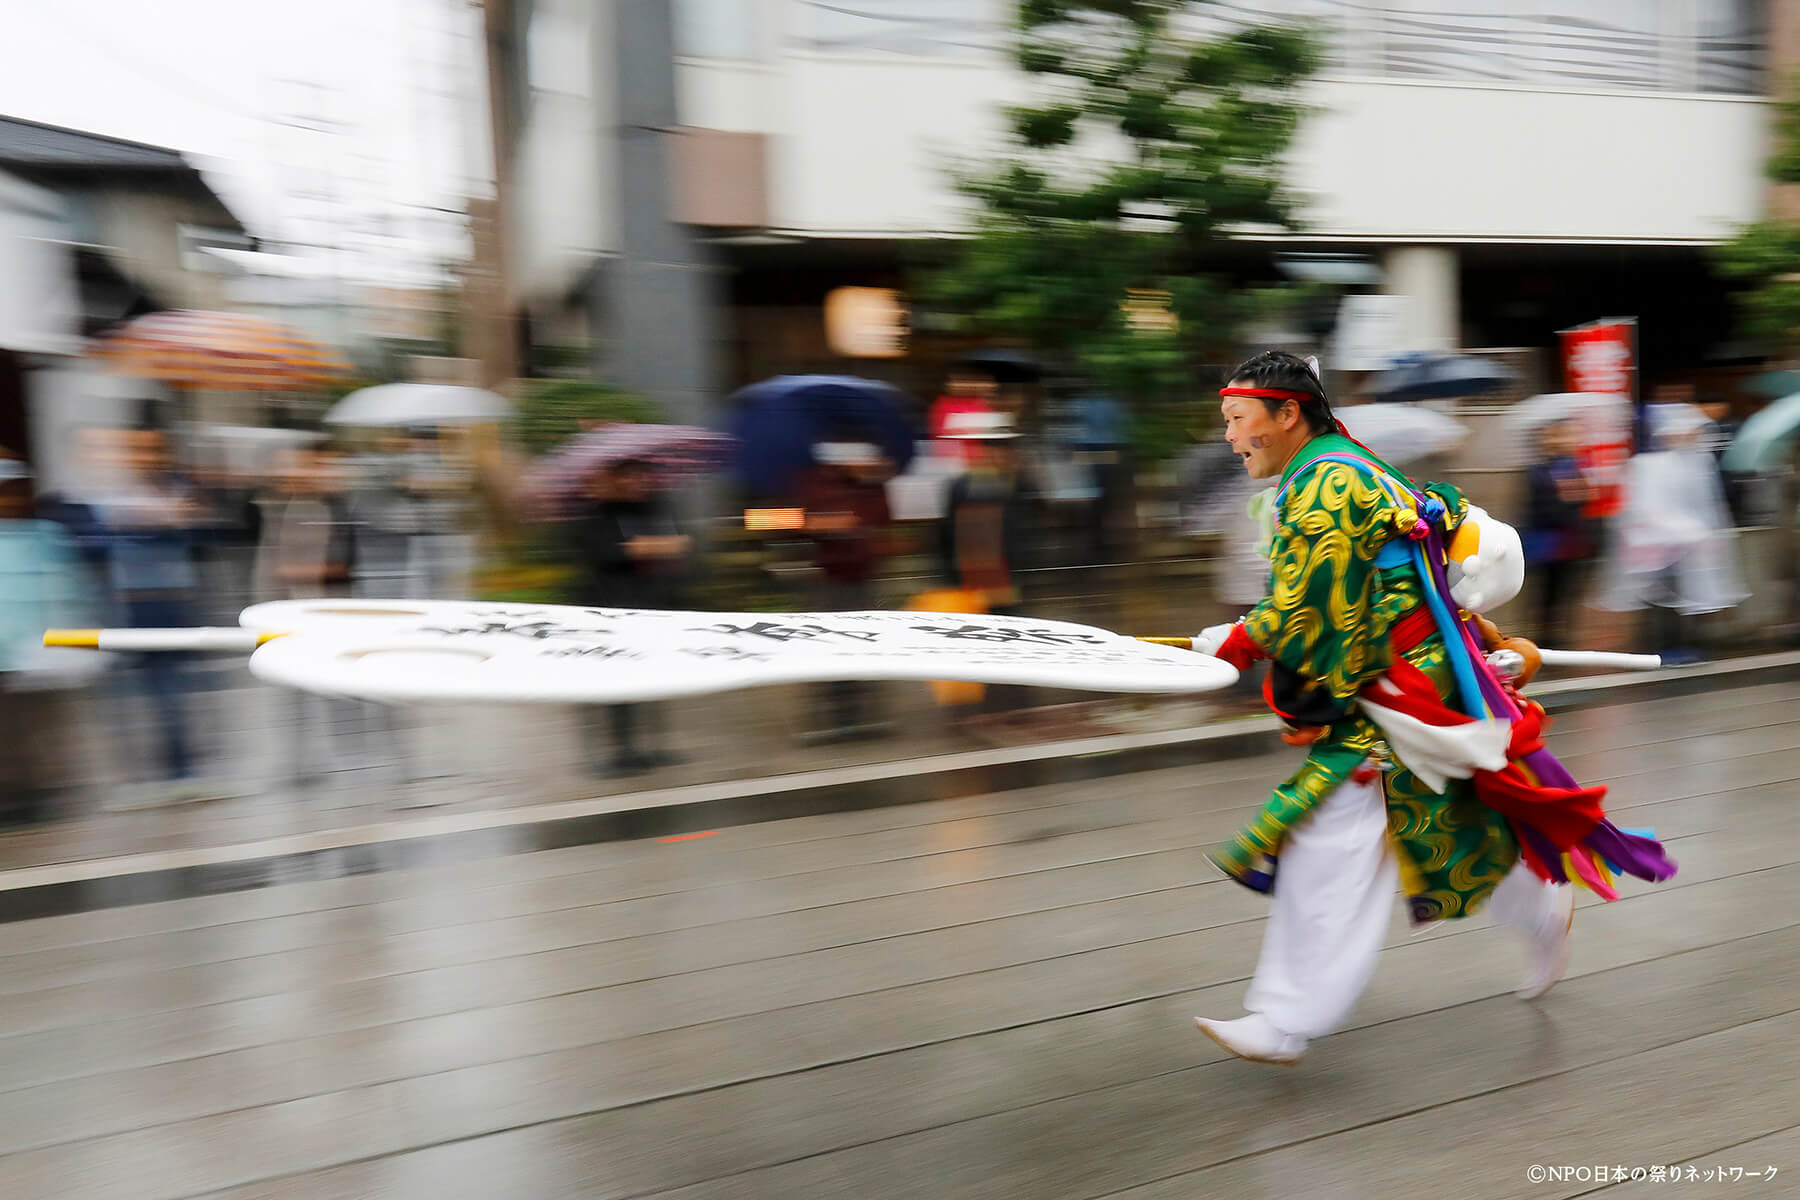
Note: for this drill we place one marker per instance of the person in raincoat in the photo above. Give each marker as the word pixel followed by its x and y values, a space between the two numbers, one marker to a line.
pixel 1674 546
pixel 1423 770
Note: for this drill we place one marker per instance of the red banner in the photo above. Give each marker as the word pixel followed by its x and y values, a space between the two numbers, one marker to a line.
pixel 1602 357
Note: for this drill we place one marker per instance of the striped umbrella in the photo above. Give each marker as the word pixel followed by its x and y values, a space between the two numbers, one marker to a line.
pixel 556 484
pixel 218 351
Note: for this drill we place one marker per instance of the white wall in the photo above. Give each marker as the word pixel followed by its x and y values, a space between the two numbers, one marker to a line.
pixel 1384 160
pixel 140 225
pixel 561 216
pixel 861 144
pixel 870 142
pixel 732 94
pixel 40 308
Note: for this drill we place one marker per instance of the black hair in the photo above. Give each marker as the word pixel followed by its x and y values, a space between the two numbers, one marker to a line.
pixel 1288 373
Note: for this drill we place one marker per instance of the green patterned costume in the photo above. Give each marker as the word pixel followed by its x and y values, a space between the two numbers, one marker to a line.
pixel 1328 618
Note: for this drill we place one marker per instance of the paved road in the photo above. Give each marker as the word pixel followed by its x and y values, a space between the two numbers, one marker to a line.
pixel 981 997
pixel 472 758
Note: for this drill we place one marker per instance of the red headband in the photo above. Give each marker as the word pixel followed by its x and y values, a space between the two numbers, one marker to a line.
pixel 1284 394
pixel 1271 394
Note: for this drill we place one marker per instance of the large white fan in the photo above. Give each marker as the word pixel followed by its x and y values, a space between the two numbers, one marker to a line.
pixel 405 652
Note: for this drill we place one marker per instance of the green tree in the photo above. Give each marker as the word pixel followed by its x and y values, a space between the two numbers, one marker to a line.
pixel 1143 149
pixel 550 411
pixel 1765 256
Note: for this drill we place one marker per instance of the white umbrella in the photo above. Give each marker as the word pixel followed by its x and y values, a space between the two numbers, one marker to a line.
pixel 1601 418
pixel 1402 432
pixel 397 404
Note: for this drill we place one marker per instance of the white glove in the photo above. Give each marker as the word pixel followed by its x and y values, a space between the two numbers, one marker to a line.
pixel 1491 567
pixel 1208 640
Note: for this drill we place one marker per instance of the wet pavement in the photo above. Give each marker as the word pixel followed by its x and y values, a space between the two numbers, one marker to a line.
pixel 367 765
pixel 979 996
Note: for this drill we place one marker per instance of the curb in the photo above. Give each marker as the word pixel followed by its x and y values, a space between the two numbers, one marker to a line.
pixel 433 840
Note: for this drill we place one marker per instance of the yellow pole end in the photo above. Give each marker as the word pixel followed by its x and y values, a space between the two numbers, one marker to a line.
pixel 1186 643
pixel 263 639
pixel 74 639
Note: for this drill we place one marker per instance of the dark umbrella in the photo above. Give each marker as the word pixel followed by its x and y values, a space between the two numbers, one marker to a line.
pixel 1006 366
pixel 1090 422
pixel 1442 376
pixel 556 485
pixel 778 421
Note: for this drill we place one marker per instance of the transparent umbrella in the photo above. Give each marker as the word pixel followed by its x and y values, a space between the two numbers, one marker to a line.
pixel 1601 418
pixel 1401 433
pixel 397 405
pixel 1766 440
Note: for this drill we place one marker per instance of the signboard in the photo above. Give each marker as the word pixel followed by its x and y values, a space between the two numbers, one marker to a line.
pixel 864 322
pixel 1601 357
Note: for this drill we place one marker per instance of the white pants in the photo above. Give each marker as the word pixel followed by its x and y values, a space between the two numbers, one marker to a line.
pixel 1334 895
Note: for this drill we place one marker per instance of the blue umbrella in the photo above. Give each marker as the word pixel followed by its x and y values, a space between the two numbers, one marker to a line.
pixel 778 421
pixel 1441 377
pixel 1766 439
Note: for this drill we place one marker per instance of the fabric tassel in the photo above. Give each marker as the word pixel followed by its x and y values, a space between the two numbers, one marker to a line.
pixel 1631 852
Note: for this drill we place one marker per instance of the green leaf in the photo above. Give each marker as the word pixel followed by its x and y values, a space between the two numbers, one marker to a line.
pixel 1041 128
pixel 550 411
pixel 1765 257
pixel 1063 237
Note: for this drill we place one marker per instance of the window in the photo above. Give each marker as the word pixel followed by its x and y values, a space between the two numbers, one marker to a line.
pixel 1603 43
pixel 1655 45
pixel 1731 45
pixel 1334 22
pixel 1447 39
pixel 193 241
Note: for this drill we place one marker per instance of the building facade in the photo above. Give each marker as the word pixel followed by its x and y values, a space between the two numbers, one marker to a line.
pixel 98 230
pixel 1509 168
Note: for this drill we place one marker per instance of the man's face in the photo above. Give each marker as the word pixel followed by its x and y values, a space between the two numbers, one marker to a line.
pixel 1265 441
pixel 1559 439
pixel 294 471
pixel 327 470
pixel 979 386
pixel 632 483
pixel 147 452
pixel 870 473
pixel 1001 454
